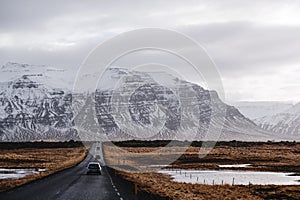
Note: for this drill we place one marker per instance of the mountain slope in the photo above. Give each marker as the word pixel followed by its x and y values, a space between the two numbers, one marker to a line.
pixel 54 77
pixel 286 123
pixel 32 110
pixel 258 109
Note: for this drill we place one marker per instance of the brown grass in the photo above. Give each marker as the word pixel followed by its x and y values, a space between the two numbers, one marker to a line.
pixel 51 159
pixel 162 185
pixel 262 157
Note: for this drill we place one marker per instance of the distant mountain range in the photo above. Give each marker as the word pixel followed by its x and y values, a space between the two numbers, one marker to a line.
pixel 258 109
pixel 286 122
pixel 281 118
pixel 36 103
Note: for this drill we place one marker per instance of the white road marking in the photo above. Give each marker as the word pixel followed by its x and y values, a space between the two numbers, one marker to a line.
pixel 112 183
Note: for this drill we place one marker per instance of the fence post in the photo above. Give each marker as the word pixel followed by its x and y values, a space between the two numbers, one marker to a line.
pixel 135 189
pixel 232 181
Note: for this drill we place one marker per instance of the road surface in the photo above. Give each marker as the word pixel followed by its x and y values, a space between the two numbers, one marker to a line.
pixel 69 184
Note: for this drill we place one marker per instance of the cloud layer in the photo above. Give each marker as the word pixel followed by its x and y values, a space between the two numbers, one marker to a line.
pixel 254 44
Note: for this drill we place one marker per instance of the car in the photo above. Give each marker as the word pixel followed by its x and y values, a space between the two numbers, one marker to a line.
pixel 94 168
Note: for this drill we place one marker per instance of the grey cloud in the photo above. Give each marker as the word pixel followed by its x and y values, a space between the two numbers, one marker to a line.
pixel 243 47
pixel 244 38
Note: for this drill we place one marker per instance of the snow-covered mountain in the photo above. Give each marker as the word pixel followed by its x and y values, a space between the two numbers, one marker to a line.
pixel 54 77
pixel 258 109
pixel 286 122
pixel 127 99
pixel 31 106
pixel 36 104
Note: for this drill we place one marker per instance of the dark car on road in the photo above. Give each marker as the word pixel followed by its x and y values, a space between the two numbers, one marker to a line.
pixel 94 168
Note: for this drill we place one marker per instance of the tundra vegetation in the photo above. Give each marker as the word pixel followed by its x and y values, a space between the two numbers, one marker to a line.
pixel 138 162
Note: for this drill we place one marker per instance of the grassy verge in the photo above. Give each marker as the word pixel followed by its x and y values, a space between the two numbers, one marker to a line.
pixel 50 159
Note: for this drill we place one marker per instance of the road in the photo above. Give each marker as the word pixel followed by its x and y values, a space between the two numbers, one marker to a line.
pixel 69 184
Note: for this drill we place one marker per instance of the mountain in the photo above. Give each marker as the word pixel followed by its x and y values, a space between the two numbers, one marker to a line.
pixel 54 77
pixel 30 109
pixel 133 104
pixel 37 104
pixel 285 123
pixel 258 109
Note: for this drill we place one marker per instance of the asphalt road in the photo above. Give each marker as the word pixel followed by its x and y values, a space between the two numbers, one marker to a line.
pixel 69 184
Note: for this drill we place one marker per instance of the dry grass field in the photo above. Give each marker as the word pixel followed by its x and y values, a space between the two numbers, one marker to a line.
pixel 262 157
pixel 50 159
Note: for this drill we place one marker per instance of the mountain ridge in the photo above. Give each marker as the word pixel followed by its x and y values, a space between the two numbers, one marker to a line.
pixel 125 102
pixel 286 122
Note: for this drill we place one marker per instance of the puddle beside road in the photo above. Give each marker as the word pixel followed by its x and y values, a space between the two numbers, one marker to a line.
pixel 235 166
pixel 237 177
pixel 6 173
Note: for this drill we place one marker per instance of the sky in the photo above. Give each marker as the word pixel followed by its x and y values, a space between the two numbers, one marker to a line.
pixel 254 44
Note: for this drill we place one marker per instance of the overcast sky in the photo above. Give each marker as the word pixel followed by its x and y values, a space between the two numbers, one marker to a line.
pixel 255 44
